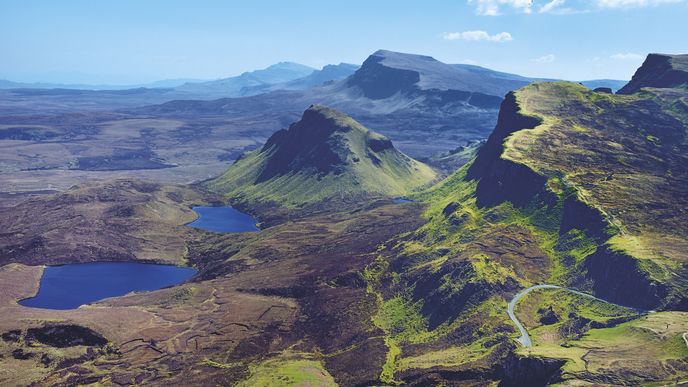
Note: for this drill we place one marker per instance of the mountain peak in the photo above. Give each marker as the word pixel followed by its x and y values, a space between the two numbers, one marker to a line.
pixel 392 55
pixel 325 155
pixel 289 66
pixel 386 73
pixel 323 118
pixel 661 71
pixel 324 140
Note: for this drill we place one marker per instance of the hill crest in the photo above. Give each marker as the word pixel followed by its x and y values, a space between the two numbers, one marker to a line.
pixel 660 71
pixel 325 155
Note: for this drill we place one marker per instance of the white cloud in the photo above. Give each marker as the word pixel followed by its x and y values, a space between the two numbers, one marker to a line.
pixel 633 3
pixel 497 7
pixel 549 7
pixel 549 58
pixel 477 36
pixel 492 7
pixel 626 56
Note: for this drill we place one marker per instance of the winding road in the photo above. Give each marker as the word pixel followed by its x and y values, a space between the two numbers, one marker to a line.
pixel 525 338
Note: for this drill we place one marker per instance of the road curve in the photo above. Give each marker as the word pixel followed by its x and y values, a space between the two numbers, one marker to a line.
pixel 525 339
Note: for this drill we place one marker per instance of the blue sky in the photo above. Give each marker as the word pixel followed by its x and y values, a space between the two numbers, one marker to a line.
pixel 120 42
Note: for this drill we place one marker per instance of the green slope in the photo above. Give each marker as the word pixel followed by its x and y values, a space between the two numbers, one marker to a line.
pixel 599 182
pixel 577 188
pixel 327 155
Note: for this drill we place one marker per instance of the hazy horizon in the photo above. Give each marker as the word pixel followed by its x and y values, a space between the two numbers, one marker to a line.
pixel 129 42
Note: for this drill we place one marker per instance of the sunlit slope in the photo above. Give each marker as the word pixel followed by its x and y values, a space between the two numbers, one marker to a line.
pixel 326 155
pixel 598 180
pixel 582 189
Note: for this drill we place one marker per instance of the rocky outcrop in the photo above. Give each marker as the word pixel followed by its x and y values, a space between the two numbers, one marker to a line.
pixel 579 215
pixel 325 156
pixel 444 303
pixel 386 73
pixel 613 276
pixel 378 81
pixel 510 120
pixel 528 371
pixel 659 70
pixel 307 144
pixel 616 277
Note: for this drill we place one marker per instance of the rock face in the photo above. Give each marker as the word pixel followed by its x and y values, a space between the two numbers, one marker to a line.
pixel 378 81
pixel 539 168
pixel 606 90
pixel 575 187
pixel 386 73
pixel 659 70
pixel 325 155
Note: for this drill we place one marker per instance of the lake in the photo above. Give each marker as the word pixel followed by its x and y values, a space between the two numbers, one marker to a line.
pixel 70 286
pixel 401 200
pixel 223 219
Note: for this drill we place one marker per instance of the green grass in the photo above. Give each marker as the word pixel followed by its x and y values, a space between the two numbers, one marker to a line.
pixel 288 372
pixel 215 364
pixel 448 357
pixel 617 351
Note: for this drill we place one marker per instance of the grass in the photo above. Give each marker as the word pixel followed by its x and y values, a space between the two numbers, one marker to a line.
pixel 648 345
pixel 448 357
pixel 215 364
pixel 553 149
pixel 288 372
pixel 566 305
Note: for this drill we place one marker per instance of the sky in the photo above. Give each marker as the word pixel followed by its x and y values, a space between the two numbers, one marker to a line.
pixel 134 41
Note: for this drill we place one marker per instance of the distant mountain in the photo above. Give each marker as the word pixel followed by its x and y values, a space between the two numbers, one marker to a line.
pixel 659 70
pixel 386 72
pixel 427 106
pixel 162 84
pixel 243 84
pixel 327 74
pixel 326 155
pixel 479 70
pixel 614 84
pixel 169 83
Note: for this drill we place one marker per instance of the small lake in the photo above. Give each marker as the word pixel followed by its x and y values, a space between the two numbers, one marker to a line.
pixel 70 286
pixel 223 219
pixel 402 200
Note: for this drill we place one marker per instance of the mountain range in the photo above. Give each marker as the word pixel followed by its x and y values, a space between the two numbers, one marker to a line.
pixel 161 84
pixel 236 86
pixel 397 94
pixel 282 75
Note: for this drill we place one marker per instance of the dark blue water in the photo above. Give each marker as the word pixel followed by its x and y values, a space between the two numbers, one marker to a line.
pixel 69 286
pixel 402 200
pixel 223 219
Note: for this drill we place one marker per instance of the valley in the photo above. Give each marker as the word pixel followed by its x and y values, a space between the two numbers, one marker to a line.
pixel 408 223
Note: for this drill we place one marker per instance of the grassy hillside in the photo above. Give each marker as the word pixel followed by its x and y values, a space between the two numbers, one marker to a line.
pixel 594 179
pixel 577 188
pixel 325 156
